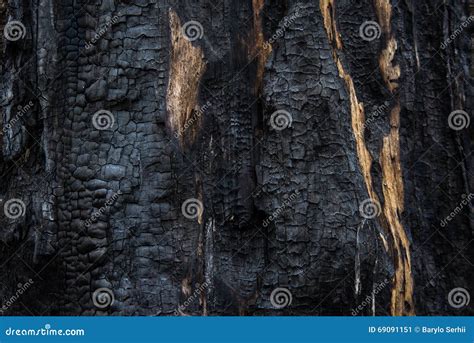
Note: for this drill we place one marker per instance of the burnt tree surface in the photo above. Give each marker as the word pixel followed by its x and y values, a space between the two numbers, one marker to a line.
pixel 193 112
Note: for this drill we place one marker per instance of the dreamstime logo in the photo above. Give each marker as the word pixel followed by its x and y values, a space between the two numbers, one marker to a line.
pixel 465 202
pixel 287 21
pixel 21 111
pixel 14 30
pixel 47 330
pixel 192 208
pixel 372 117
pixel 369 30
pixel 103 297
pixel 193 30
pixel 457 32
pixel 281 120
pixel 96 215
pixel 459 120
pixel 459 297
pixel 22 288
pixel 100 32
pixel 14 208
pixel 369 209
pixel 370 299
pixel 103 120
pixel 197 114
pixel 281 298
pixel 280 209
pixel 199 289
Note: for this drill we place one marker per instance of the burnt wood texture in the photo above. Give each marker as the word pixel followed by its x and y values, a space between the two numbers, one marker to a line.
pixel 236 157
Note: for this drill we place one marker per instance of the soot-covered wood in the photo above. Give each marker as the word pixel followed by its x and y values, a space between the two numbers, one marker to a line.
pixel 191 120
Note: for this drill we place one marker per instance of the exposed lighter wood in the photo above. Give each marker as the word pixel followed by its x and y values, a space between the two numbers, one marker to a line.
pixel 402 291
pixel 258 46
pixel 187 67
pixel 357 108
pixel 392 179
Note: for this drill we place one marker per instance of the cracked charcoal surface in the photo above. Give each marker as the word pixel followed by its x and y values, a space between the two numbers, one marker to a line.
pixel 103 207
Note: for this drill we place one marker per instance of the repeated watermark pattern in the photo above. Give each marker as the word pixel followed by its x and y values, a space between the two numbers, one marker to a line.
pixel 14 208
pixel 21 111
pixel 459 297
pixel 192 208
pixel 281 297
pixel 102 31
pixel 280 120
pixel 458 209
pixel 370 299
pixel 287 22
pixel 103 297
pixel 465 24
pixel 197 114
pixel 108 203
pixel 103 120
pixel 280 209
pixel 199 289
pixel 372 117
pixel 370 209
pixel 459 120
pixel 192 30
pixel 370 30
pixel 14 30
pixel 22 288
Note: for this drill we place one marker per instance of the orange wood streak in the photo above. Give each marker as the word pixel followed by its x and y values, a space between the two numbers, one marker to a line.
pixel 402 291
pixel 392 178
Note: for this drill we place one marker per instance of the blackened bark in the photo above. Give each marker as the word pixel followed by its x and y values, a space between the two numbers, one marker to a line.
pixel 193 118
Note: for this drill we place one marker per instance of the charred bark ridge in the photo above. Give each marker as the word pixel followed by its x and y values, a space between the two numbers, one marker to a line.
pixel 236 157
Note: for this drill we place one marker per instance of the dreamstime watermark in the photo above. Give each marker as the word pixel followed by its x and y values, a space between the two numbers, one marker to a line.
pixel 280 209
pixel 46 331
pixel 103 297
pixel 370 299
pixel 191 121
pixel 14 208
pixel 14 30
pixel 101 31
pixel 465 202
pixel 21 111
pixel 103 120
pixel 373 116
pixel 96 215
pixel 280 120
pixel 22 288
pixel 197 292
pixel 459 297
pixel 287 21
pixel 192 30
pixel 192 208
pixel 459 120
pixel 281 298
pixel 369 209
pixel 457 32
pixel 370 30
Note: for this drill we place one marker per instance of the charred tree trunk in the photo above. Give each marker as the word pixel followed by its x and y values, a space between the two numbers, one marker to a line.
pixel 236 157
